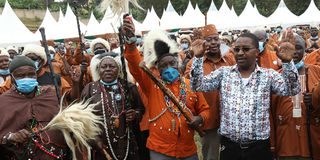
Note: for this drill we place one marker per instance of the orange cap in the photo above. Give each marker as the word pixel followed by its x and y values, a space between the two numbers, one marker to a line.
pixel 208 30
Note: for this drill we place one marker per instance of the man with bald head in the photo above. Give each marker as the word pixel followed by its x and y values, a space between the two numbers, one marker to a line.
pixel 290 113
pixel 266 58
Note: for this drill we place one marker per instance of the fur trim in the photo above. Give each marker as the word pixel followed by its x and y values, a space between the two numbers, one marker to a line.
pixel 12 48
pixel 118 6
pixel 99 40
pixel 4 52
pixel 97 59
pixel 138 33
pixel 50 48
pixel 185 36
pixel 150 55
pixel 36 49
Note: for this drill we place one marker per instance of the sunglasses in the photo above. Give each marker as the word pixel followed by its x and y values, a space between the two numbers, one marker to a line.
pixel 244 49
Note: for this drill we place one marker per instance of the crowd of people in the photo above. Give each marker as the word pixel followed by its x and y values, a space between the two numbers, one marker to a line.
pixel 254 93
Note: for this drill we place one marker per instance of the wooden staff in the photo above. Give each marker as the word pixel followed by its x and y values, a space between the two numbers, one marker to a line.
pixel 45 45
pixel 80 37
pixel 308 107
pixel 107 155
pixel 168 93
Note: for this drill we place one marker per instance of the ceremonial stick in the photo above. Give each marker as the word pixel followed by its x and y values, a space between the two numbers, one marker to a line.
pixel 43 35
pixel 80 37
pixel 308 107
pixel 167 92
pixel 107 155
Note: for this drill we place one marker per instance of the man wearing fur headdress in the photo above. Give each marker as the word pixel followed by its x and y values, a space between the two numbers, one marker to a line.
pixel 119 112
pixel 171 136
pixel 4 65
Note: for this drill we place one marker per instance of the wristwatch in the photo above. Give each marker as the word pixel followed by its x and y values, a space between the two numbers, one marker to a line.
pixel 292 76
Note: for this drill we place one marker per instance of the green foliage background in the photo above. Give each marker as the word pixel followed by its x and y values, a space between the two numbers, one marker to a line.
pixel 265 7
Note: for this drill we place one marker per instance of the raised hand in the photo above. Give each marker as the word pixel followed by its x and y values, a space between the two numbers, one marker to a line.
pixel 198 48
pixel 287 46
pixel 20 136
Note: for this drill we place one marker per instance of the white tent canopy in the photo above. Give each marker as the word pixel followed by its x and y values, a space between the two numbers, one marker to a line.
pixel 192 17
pixel 311 15
pixel 151 21
pixel 250 17
pixel 93 27
pixel 170 18
pixel 50 25
pixel 109 22
pixel 13 31
pixel 283 16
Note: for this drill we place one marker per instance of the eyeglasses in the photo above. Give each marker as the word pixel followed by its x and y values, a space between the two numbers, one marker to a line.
pixel 244 49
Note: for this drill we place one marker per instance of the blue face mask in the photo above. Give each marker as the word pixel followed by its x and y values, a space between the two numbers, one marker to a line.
pixel 89 51
pixel 184 45
pixel 10 60
pixel 314 38
pixel 4 72
pixel 138 41
pixel 299 65
pixel 36 63
pixel 268 35
pixel 261 48
pixel 109 84
pixel 52 56
pixel 170 74
pixel 278 30
pixel 272 32
pixel 26 85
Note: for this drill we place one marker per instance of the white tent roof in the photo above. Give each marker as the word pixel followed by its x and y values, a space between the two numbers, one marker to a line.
pixel 192 17
pixel 226 18
pixel 151 21
pixel 13 31
pixel 93 27
pixel 250 17
pixel 137 24
pixel 170 19
pixel 311 15
pixel 50 25
pixel 282 15
pixel 68 25
pixel 212 14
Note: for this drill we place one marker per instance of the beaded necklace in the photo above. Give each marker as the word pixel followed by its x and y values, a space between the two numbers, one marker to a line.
pixel 105 105
pixel 175 111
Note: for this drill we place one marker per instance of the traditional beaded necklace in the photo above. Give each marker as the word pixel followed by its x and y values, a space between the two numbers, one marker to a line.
pixel 183 102
pixel 105 102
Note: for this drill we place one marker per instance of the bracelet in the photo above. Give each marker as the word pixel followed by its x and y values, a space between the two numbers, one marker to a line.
pixel 9 136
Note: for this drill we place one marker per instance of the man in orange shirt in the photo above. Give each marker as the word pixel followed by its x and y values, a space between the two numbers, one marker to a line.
pixel 266 58
pixel 212 61
pixel 314 39
pixel 313 58
pixel 289 114
pixel 171 136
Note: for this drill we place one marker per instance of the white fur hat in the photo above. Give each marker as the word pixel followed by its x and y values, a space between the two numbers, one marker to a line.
pixel 36 49
pixel 97 59
pixel 4 52
pixel 99 40
pixel 156 44
pixel 50 48
pixel 185 36
pixel 138 33
pixel 12 48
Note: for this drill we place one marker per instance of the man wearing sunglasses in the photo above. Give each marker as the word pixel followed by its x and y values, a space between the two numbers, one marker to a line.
pixel 213 59
pixel 245 90
pixel 266 58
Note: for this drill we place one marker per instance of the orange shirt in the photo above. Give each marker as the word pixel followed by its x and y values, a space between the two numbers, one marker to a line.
pixel 162 138
pixel 291 133
pixel 78 56
pixel 313 58
pixel 268 59
pixel 212 98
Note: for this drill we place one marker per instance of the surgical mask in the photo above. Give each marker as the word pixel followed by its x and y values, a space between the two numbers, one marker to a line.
pixel 272 32
pixel 138 41
pixel 170 74
pixel 10 60
pixel 26 85
pixel 230 33
pixel 278 30
pixel 4 72
pixel 52 56
pixel 268 35
pixel 109 84
pixel 261 47
pixel 88 50
pixel 65 50
pixel 314 38
pixel 184 45
pixel 299 65
pixel 36 63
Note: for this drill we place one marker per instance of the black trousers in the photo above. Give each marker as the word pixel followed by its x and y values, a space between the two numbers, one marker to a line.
pixel 258 150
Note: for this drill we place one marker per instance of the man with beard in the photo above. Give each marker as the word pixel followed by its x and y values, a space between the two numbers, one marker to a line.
pixel 213 60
